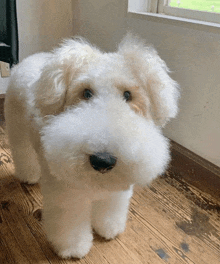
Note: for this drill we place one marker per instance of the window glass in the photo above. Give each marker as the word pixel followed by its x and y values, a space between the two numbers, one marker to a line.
pixel 200 5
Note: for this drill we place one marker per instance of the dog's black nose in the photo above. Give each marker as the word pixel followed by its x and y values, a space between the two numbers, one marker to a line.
pixel 102 162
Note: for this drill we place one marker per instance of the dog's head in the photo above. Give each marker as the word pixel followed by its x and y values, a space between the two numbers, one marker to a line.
pixel 104 113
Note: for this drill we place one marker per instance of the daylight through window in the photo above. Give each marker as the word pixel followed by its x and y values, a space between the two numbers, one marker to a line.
pixel 200 5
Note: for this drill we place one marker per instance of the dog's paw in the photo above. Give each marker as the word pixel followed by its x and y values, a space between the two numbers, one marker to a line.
pixel 30 180
pixel 29 177
pixel 109 229
pixel 75 250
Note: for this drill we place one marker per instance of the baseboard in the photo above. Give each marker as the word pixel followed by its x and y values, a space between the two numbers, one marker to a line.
pixel 195 170
pixel 185 165
pixel 196 158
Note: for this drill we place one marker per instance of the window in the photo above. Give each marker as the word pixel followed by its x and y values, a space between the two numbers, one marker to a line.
pixel 202 5
pixel 203 10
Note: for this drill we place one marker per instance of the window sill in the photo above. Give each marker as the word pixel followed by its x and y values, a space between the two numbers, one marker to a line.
pixel 176 21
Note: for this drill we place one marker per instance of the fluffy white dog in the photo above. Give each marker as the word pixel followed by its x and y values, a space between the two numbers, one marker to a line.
pixel 90 123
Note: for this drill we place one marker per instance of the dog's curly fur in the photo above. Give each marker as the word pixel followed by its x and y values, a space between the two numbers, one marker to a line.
pixel 76 102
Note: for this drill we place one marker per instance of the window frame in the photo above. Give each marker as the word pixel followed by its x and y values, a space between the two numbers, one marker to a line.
pixel 160 8
pixel 188 13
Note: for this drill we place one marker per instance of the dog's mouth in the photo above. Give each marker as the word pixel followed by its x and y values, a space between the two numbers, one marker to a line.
pixel 102 162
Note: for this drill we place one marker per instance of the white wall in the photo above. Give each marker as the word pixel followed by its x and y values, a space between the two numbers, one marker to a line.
pixel 192 53
pixel 41 26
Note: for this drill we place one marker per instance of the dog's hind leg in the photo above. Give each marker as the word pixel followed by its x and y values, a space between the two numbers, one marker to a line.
pixel 27 168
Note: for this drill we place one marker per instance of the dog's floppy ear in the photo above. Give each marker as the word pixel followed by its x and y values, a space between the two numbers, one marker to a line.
pixel 63 65
pixel 152 73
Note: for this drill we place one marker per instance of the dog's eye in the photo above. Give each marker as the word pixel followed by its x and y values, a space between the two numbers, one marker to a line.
pixel 127 96
pixel 87 94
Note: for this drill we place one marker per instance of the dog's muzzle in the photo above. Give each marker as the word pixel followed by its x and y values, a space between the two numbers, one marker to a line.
pixel 102 162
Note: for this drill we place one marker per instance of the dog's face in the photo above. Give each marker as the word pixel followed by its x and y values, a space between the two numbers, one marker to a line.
pixel 104 113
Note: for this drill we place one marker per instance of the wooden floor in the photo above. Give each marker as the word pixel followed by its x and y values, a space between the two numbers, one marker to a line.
pixel 169 222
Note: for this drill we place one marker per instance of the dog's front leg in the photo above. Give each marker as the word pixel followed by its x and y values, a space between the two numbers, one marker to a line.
pixel 109 216
pixel 66 217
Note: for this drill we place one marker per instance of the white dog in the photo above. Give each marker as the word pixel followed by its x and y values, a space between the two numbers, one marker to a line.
pixel 90 123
